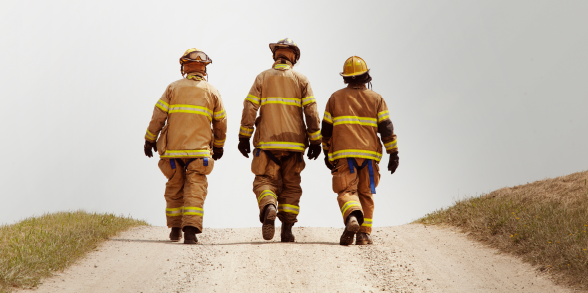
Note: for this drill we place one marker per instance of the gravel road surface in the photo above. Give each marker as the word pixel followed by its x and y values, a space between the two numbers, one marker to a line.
pixel 407 258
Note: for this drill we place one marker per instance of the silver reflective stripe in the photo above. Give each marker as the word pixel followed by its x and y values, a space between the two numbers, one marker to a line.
pixel 315 136
pixel 289 209
pixel 193 211
pixel 286 101
pixel 383 115
pixel 270 145
pixel 220 114
pixel 162 105
pixel 355 155
pixel 367 222
pixel 355 120
pixel 266 193
pixel 187 153
pixel 391 145
pixel 188 109
pixel 308 100
pixel 348 204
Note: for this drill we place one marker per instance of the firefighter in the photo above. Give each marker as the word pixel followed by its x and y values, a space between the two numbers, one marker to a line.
pixel 353 118
pixel 282 96
pixel 187 146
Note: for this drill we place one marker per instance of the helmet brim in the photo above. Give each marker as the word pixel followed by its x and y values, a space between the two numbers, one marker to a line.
pixel 273 47
pixel 357 74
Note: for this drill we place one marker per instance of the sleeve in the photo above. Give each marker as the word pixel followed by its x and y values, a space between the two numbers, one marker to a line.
pixel 311 114
pixel 159 116
pixel 327 126
pixel 250 107
pixel 219 122
pixel 386 129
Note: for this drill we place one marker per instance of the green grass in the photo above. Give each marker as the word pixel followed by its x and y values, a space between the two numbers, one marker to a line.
pixel 545 223
pixel 35 247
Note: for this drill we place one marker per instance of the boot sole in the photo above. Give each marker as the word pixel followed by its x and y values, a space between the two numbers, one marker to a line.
pixel 349 233
pixel 268 229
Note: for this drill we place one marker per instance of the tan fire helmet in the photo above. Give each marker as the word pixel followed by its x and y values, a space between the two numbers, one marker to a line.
pixel 194 55
pixel 286 43
pixel 353 66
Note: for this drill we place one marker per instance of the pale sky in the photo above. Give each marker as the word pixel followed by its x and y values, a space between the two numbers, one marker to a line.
pixel 482 94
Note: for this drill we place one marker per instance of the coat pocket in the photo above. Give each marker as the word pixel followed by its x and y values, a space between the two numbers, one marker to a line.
pixel 162 141
pixel 340 177
pixel 259 163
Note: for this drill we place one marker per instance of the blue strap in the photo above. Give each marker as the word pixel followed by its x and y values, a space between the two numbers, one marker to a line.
pixel 206 162
pixel 258 151
pixel 372 183
pixel 351 163
pixel 172 162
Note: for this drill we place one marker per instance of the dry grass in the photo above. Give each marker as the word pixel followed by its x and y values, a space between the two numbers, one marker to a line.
pixel 544 222
pixel 35 247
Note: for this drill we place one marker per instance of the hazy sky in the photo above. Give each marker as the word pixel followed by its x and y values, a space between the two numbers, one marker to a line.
pixel 482 94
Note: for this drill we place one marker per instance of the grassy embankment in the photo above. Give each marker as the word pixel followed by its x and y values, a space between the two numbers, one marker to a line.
pixel 35 247
pixel 544 222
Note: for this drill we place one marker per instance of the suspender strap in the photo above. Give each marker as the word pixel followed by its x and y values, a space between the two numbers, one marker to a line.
pixel 299 157
pixel 172 162
pixel 352 163
pixel 372 183
pixel 205 161
pixel 272 157
pixel 188 163
pixel 257 153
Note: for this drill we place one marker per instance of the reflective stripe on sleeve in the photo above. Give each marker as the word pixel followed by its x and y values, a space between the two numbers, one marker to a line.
pixel 174 212
pixel 246 131
pixel 150 136
pixel 349 204
pixel 288 208
pixel 328 117
pixel 193 211
pixel 325 146
pixel 266 193
pixel 162 105
pixel 186 154
pixel 283 101
pixel 308 100
pixel 355 154
pixel 391 145
pixel 253 99
pixel 220 114
pixel 383 116
pixel 219 143
pixel 315 136
pixel 367 222
pixel 179 108
pixel 355 120
pixel 281 145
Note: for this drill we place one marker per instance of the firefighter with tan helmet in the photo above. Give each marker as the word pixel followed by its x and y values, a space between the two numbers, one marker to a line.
pixel 283 98
pixel 187 146
pixel 353 118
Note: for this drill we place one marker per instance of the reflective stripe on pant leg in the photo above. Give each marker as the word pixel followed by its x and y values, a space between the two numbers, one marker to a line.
pixel 288 208
pixel 266 193
pixel 289 197
pixel 367 222
pixel 193 211
pixel 348 205
pixel 174 212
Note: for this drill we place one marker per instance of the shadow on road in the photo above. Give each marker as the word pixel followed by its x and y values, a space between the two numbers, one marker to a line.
pixel 224 244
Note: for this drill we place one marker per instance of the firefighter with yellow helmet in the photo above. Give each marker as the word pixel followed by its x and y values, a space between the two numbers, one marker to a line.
pixel 187 146
pixel 353 118
pixel 283 98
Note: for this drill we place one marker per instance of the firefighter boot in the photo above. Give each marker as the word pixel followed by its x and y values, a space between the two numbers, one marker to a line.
pixel 286 234
pixel 176 234
pixel 351 227
pixel 269 217
pixel 363 238
pixel 190 235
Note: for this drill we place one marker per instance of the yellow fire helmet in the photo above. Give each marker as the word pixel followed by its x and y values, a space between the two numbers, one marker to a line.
pixel 286 43
pixel 195 55
pixel 354 65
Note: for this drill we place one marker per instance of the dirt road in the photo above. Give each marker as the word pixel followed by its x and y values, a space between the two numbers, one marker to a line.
pixel 408 258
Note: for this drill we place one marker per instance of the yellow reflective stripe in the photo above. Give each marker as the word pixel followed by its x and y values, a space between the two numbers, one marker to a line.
pixel 193 211
pixel 391 145
pixel 195 77
pixel 367 222
pixel 253 99
pixel 150 136
pixel 246 131
pixel 349 204
pixel 281 145
pixel 308 100
pixel 173 212
pixel 162 105
pixel 186 153
pixel 315 136
pixel 190 107
pixel 283 101
pixel 355 120
pixel 219 143
pixel 220 114
pixel 355 154
pixel 325 146
pixel 286 66
pixel 383 116
pixel 328 117
pixel 288 208
pixel 266 193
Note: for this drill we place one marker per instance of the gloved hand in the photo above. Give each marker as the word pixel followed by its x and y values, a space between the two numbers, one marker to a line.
pixel 148 146
pixel 217 153
pixel 393 163
pixel 329 165
pixel 314 151
pixel 244 146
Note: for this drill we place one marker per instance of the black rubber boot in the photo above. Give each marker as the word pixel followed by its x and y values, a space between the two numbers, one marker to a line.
pixel 351 228
pixel 286 235
pixel 190 235
pixel 363 239
pixel 176 234
pixel 269 217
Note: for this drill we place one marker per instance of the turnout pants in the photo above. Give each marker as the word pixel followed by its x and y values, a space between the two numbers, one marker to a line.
pixel 355 188
pixel 277 182
pixel 185 190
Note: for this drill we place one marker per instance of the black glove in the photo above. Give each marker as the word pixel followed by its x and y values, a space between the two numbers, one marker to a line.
pixel 148 146
pixel 244 146
pixel 329 165
pixel 217 153
pixel 393 163
pixel 314 151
